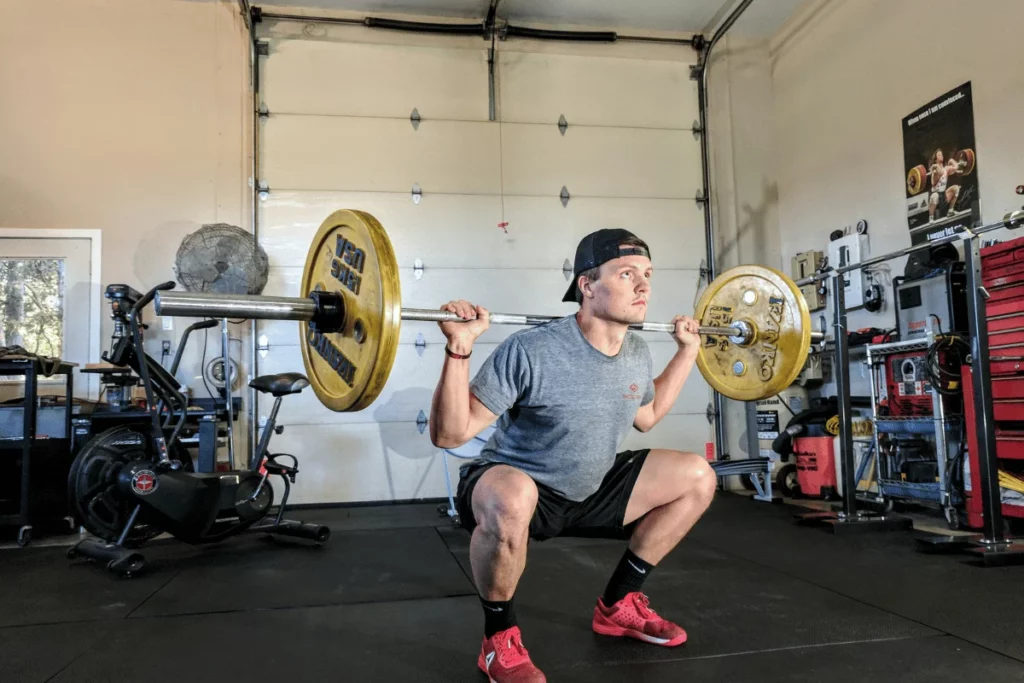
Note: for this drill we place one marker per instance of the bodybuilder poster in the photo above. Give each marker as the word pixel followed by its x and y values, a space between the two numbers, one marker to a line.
pixel 941 167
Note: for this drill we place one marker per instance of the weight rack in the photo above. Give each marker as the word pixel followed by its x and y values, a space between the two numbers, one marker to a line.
pixel 993 546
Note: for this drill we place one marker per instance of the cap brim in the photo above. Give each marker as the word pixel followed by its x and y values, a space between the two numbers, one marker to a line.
pixel 570 294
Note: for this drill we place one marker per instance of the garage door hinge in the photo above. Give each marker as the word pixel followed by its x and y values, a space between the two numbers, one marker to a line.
pixel 263 346
pixel 563 125
pixel 417 193
pixel 695 71
pixel 701 199
pixel 262 48
pixel 263 112
pixel 415 118
pixel 697 130
pixel 417 269
pixel 567 270
pixel 565 196
pixel 421 344
pixel 264 190
pixel 711 413
pixel 421 422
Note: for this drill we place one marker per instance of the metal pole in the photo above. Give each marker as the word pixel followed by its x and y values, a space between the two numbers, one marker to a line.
pixel 254 357
pixel 872 369
pixel 984 418
pixel 226 365
pixel 727 24
pixel 842 374
pixel 941 443
pixel 718 401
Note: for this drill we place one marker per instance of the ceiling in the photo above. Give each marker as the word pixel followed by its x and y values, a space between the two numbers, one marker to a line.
pixel 763 17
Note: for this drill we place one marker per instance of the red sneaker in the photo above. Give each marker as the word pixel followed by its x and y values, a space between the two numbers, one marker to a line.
pixel 632 617
pixel 505 660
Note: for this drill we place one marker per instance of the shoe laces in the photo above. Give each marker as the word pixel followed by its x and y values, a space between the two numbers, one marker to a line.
pixel 513 651
pixel 643 606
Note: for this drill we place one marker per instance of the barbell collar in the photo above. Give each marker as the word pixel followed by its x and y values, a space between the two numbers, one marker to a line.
pixel 330 312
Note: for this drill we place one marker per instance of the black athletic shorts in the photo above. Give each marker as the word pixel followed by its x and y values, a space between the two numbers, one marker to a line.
pixel 601 515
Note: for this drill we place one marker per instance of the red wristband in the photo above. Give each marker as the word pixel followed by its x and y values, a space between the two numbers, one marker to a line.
pixel 457 356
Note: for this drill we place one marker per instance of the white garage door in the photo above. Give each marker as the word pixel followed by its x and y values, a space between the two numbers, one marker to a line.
pixel 490 226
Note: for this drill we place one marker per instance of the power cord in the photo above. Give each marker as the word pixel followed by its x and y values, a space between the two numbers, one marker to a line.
pixel 946 382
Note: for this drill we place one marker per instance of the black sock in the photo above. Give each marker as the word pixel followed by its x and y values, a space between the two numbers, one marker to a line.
pixel 498 616
pixel 628 577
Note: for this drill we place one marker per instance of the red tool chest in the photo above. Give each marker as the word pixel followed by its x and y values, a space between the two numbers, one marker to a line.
pixel 1002 273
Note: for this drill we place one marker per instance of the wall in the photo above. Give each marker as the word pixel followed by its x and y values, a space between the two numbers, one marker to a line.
pixel 124 116
pixel 128 117
pixel 846 72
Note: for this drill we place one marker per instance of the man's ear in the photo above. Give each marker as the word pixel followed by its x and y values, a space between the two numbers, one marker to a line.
pixel 586 286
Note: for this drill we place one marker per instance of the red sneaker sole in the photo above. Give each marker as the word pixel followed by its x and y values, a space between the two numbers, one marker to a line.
pixel 620 632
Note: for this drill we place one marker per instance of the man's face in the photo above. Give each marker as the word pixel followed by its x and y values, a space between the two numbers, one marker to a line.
pixel 623 290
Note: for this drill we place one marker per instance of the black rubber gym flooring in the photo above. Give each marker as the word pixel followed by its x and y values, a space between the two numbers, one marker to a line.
pixel 389 599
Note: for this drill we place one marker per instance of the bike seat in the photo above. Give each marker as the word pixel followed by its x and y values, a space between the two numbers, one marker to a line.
pixel 281 384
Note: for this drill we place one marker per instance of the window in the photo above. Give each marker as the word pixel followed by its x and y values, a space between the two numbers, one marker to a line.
pixel 32 304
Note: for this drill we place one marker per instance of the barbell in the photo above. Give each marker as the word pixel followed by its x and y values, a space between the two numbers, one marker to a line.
pixel 755 324
pixel 917 177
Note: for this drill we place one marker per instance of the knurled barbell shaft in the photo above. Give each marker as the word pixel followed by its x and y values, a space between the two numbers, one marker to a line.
pixel 258 307
pixel 427 315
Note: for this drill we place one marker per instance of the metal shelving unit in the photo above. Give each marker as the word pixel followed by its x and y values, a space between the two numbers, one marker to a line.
pixel 944 428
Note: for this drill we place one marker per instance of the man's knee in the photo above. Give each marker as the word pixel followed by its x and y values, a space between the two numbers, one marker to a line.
pixel 702 476
pixel 694 477
pixel 503 503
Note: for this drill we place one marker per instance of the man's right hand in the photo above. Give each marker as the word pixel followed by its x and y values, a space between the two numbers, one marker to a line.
pixel 462 335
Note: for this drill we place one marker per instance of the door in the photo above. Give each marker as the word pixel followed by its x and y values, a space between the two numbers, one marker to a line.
pixel 473 208
pixel 46 298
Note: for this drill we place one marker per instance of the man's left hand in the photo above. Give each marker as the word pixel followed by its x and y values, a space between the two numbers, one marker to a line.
pixel 685 333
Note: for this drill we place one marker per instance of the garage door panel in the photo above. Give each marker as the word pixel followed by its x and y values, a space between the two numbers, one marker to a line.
pixel 443 231
pixel 362 462
pixel 462 231
pixel 678 432
pixel 503 291
pixel 414 376
pixel 317 77
pixel 665 224
pixel 369 462
pixel 380 155
pixel 600 162
pixel 599 91
pixel 409 389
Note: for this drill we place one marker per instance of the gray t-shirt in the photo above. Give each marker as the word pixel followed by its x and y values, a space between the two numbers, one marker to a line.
pixel 564 407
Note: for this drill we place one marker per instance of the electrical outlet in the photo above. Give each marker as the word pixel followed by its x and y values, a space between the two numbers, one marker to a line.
pixel 165 346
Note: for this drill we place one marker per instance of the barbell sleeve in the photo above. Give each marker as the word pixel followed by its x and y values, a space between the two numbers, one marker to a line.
pixel 252 306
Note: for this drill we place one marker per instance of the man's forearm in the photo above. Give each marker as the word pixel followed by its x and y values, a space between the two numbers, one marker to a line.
pixel 670 382
pixel 449 410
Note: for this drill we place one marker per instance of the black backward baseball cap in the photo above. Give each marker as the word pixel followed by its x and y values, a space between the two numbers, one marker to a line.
pixel 600 247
